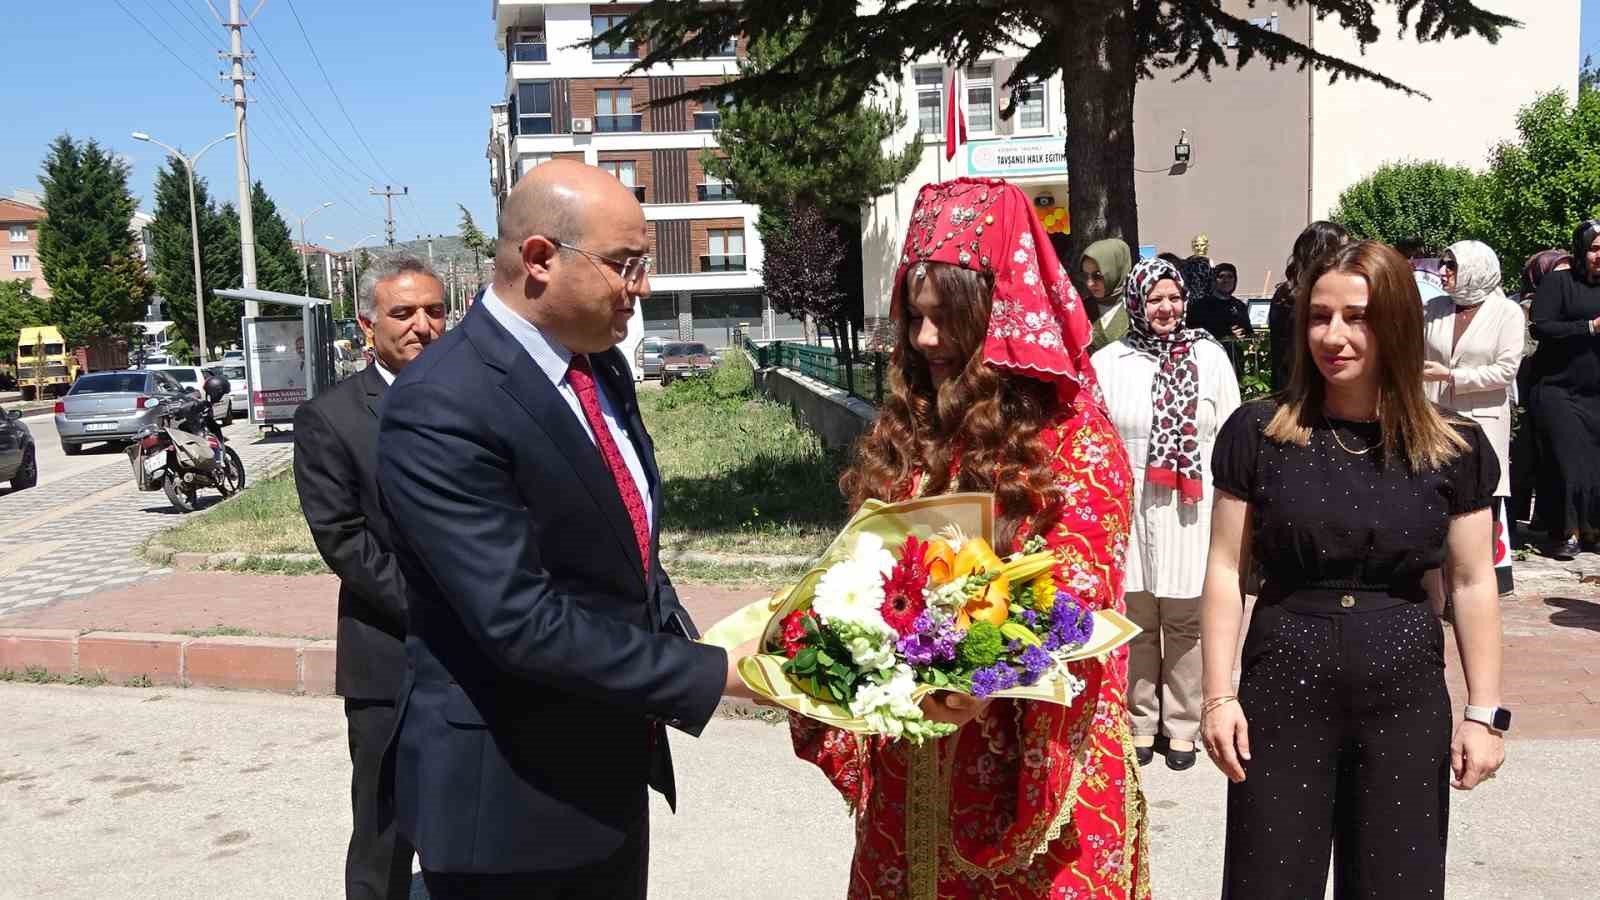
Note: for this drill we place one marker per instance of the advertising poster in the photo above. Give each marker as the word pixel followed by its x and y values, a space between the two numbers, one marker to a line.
pixel 276 350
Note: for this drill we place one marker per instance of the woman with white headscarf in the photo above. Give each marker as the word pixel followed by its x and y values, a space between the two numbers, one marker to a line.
pixel 1474 337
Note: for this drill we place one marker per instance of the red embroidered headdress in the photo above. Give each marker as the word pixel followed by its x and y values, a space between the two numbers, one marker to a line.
pixel 1037 324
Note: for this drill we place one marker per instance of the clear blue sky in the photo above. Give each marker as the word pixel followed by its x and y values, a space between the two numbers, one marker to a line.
pixel 415 77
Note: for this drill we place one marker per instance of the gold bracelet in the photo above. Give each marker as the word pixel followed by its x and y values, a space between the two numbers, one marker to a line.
pixel 1216 702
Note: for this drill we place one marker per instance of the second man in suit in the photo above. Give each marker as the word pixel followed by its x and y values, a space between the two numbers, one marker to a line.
pixel 336 439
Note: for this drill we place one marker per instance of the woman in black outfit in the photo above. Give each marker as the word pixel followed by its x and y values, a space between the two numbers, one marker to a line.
pixel 1318 240
pixel 1345 495
pixel 1566 401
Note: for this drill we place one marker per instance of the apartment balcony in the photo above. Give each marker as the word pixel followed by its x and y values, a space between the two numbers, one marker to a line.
pixel 628 51
pixel 705 192
pixel 618 124
pixel 707 121
pixel 722 263
pixel 528 52
pixel 539 124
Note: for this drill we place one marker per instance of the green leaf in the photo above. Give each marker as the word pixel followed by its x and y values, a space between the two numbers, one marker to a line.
pixel 823 658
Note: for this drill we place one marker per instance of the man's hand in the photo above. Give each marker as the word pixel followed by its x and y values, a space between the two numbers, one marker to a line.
pixel 735 686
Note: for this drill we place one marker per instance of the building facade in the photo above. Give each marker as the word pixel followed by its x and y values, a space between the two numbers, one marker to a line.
pixel 19 228
pixel 1269 150
pixel 570 102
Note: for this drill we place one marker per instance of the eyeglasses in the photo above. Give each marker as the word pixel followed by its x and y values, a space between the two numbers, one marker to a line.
pixel 632 270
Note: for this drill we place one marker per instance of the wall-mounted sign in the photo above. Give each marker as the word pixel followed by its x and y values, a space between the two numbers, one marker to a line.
pixel 1025 156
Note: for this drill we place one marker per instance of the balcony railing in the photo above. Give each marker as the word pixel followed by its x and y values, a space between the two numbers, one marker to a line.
pixel 714 192
pixel 707 121
pixel 609 124
pixel 722 263
pixel 536 124
pixel 529 52
pixel 629 50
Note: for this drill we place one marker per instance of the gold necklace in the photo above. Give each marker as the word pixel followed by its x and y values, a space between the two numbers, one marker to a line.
pixel 1342 445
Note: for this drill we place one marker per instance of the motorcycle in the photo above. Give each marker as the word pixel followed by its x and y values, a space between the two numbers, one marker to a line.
pixel 186 451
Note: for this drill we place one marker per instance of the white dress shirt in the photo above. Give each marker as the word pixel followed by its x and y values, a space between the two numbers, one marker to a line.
pixel 385 374
pixel 554 360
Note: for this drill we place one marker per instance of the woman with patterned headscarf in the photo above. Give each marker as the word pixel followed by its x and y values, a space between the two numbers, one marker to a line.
pixel 1169 389
pixel 991 390
pixel 1566 400
pixel 1473 341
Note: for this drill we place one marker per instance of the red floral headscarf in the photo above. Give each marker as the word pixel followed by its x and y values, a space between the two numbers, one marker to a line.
pixel 1037 325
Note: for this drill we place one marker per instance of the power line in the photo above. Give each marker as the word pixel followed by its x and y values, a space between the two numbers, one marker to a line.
pixel 272 92
pixel 276 117
pixel 335 93
pixel 178 36
pixel 187 15
pixel 261 40
pixel 209 86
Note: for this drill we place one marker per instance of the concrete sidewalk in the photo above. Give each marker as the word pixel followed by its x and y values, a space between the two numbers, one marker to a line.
pixel 119 792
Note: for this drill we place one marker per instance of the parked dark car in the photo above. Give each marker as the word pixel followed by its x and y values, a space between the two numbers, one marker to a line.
pixel 683 359
pixel 18 462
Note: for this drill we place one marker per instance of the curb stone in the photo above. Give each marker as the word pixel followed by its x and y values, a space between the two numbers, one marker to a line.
pixel 185 561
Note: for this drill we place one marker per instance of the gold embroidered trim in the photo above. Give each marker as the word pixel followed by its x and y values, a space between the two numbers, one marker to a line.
pixel 925 818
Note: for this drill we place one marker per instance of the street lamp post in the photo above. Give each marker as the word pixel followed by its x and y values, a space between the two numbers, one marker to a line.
pixel 189 162
pixel 305 266
pixel 355 269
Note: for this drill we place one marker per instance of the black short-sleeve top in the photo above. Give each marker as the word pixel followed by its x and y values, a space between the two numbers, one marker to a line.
pixel 1323 517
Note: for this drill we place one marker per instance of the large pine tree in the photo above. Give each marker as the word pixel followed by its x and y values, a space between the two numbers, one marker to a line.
pixel 87 251
pixel 1101 48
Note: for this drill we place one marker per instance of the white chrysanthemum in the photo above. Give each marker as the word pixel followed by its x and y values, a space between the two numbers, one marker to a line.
pixel 851 591
pixel 884 700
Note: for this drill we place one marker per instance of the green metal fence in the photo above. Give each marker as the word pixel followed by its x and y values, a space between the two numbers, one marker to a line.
pixel 863 374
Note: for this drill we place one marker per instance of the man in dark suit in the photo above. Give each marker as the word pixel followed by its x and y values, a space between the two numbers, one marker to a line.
pixel 546 648
pixel 335 463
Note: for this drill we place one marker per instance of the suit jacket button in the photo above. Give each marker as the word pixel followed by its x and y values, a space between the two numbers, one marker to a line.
pixel 1347 601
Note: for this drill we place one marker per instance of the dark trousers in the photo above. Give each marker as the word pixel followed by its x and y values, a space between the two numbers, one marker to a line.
pixel 1349 726
pixel 622 876
pixel 378 862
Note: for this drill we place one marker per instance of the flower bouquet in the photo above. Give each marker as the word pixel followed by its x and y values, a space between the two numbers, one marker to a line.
pixel 911 598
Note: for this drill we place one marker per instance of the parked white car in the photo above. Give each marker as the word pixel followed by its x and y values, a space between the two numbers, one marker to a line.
pixel 193 378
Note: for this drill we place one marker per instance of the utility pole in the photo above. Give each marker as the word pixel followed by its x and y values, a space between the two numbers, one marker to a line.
pixel 241 151
pixel 388 194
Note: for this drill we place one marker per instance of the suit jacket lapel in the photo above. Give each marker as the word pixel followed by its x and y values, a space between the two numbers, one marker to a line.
pixel 531 389
pixel 373 385
pixel 618 384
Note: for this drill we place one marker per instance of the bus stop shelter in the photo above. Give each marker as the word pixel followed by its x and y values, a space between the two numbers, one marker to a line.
pixel 288 358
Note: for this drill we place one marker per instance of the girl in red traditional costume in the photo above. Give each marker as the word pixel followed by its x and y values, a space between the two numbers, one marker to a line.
pixel 991 390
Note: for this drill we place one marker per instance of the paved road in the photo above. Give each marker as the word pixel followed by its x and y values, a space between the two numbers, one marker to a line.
pixel 113 792
pixel 76 532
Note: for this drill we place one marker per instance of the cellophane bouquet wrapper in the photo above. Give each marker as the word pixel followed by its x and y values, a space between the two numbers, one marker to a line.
pixel 909 599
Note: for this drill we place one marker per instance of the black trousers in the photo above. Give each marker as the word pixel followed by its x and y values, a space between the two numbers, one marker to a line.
pixel 378 862
pixel 622 876
pixel 1349 726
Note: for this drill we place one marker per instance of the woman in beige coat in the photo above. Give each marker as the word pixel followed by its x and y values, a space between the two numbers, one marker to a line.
pixel 1474 337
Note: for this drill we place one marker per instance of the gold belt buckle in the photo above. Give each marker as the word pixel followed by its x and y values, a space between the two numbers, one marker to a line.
pixel 1347 601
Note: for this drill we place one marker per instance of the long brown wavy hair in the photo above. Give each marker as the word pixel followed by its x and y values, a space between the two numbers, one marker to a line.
pixel 984 417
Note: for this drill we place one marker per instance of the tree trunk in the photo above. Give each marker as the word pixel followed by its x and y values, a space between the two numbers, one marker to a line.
pixel 1097 49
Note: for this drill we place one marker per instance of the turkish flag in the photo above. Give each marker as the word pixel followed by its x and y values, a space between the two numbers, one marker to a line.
pixel 955 118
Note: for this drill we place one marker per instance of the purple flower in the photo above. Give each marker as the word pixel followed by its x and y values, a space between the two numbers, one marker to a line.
pixel 1030 618
pixel 997 677
pixel 1035 662
pixel 1070 626
pixel 929 643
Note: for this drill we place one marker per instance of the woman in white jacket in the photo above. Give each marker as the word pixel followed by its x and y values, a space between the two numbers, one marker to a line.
pixel 1169 389
pixel 1474 338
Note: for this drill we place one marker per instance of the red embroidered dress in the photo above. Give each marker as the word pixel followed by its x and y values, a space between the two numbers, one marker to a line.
pixel 1030 799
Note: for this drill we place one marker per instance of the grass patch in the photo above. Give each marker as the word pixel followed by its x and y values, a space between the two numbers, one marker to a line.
pixel 41 675
pixel 740 476
pixel 264 518
pixel 217 631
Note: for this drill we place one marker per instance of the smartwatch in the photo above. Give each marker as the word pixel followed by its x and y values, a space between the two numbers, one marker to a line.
pixel 1498 718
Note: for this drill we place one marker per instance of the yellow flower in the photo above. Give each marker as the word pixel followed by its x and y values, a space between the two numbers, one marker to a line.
pixel 1044 592
pixel 975 556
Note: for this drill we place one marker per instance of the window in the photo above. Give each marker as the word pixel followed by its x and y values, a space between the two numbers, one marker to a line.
pixel 529 46
pixel 19 234
pixel 613 108
pixel 980 99
pixel 709 116
pixel 930 101
pixel 110 383
pixel 535 107
pixel 726 250
pixel 21 263
pixel 1030 105
pixel 714 189
pixel 624 50
pixel 622 170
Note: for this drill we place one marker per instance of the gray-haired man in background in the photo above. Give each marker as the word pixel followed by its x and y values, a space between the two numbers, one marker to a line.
pixel 336 437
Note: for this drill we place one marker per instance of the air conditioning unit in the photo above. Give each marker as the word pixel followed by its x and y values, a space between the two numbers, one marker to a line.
pixel 582 126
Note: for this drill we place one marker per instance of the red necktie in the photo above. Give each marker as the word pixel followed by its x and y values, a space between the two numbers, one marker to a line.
pixel 581 377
